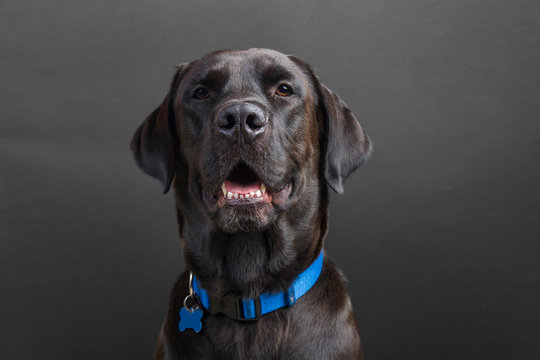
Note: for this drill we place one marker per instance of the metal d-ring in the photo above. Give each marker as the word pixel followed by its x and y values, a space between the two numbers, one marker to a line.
pixel 195 299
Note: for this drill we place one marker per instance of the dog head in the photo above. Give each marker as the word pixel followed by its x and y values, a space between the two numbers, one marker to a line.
pixel 246 134
pixel 251 141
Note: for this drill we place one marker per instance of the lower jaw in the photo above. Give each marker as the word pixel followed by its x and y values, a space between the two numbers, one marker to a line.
pixel 247 215
pixel 256 216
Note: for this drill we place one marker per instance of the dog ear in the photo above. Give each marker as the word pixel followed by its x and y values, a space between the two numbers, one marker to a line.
pixel 155 142
pixel 345 144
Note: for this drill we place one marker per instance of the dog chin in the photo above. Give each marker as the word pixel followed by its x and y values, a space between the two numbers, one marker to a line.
pixel 245 217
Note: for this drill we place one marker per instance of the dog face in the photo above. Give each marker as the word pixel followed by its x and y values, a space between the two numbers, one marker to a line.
pixel 248 136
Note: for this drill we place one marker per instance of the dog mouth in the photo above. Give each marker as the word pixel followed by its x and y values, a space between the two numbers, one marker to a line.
pixel 244 187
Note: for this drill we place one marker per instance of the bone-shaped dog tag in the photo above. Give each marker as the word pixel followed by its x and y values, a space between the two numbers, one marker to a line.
pixel 190 316
pixel 190 319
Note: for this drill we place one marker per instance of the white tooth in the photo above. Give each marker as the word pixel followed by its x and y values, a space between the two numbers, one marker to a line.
pixel 258 193
pixel 229 195
pixel 235 195
pixel 241 196
pixel 224 189
pixel 263 188
pixel 252 193
pixel 246 196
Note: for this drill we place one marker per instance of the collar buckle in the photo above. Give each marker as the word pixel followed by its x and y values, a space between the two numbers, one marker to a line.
pixel 232 306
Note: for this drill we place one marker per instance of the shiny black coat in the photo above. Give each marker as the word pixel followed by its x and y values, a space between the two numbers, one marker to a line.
pixel 305 142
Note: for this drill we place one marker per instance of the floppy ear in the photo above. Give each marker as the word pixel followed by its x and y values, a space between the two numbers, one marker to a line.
pixel 155 142
pixel 345 144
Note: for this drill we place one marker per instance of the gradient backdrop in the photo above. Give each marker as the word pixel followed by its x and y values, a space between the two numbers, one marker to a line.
pixel 438 234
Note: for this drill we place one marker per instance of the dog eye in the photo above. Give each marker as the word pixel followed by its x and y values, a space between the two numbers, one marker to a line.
pixel 201 93
pixel 284 90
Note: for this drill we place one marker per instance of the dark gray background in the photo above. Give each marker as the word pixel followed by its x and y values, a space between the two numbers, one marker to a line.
pixel 438 234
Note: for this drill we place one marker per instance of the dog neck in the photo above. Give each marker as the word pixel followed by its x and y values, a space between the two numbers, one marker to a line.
pixel 247 264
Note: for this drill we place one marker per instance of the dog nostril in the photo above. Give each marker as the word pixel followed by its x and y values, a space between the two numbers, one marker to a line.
pixel 229 124
pixel 254 122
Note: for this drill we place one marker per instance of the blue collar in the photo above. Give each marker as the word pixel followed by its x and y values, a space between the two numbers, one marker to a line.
pixel 251 309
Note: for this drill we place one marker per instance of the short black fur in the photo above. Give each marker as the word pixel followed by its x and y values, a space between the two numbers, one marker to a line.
pixel 311 142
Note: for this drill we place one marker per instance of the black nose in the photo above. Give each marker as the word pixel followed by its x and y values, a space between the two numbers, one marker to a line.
pixel 241 119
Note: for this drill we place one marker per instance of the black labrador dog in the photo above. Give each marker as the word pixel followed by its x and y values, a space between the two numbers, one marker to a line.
pixel 251 141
